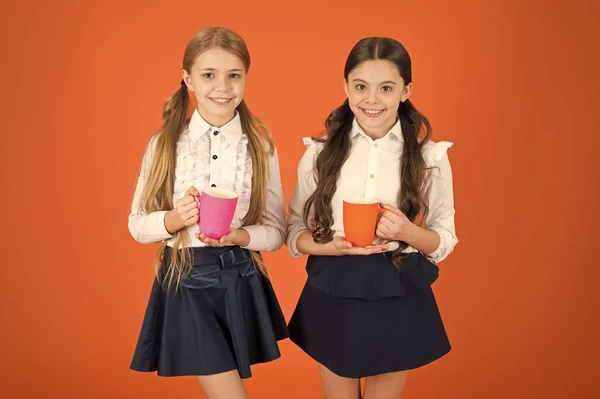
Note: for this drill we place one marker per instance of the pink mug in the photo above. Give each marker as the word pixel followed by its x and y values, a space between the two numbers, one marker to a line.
pixel 217 207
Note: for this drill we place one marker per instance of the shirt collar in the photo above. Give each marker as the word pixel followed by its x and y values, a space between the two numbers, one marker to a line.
pixel 396 130
pixel 232 130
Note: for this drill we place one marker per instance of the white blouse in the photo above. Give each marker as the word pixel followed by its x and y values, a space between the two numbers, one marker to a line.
pixel 372 170
pixel 208 156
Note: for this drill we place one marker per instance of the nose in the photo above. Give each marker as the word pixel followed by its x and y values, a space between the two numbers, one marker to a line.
pixel 372 97
pixel 221 83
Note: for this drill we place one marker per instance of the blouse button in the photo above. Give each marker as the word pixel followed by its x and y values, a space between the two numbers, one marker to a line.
pixel 213 185
pixel 215 157
pixel 216 132
pixel 372 176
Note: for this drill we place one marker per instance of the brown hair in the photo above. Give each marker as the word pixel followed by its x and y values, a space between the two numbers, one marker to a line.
pixel 411 200
pixel 158 191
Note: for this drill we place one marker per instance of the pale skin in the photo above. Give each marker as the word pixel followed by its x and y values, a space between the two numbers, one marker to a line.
pixel 375 90
pixel 382 386
pixel 218 80
pixel 223 386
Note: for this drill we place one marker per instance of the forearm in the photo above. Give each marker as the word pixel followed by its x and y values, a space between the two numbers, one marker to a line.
pixel 242 238
pixel 426 241
pixel 173 223
pixel 148 228
pixel 307 245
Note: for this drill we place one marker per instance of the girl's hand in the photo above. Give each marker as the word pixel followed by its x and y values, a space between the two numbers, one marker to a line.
pixel 230 238
pixel 184 214
pixel 346 248
pixel 186 208
pixel 394 225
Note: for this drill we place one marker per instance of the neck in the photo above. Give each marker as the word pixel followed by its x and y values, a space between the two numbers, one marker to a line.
pixel 379 132
pixel 216 120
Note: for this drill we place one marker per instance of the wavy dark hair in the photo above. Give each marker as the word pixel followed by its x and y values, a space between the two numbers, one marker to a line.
pixel 416 131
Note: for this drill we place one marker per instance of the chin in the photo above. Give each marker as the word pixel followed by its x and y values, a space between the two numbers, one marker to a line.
pixel 220 110
pixel 370 122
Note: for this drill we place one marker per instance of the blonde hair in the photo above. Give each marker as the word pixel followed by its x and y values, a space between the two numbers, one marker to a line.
pixel 158 191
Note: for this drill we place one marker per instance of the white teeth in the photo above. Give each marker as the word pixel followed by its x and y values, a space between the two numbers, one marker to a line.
pixel 373 112
pixel 220 100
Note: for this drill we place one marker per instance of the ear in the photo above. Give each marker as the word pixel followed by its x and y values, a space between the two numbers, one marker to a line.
pixel 407 92
pixel 186 78
pixel 346 87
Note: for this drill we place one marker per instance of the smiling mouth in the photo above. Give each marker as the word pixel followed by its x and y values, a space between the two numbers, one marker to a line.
pixel 372 113
pixel 220 100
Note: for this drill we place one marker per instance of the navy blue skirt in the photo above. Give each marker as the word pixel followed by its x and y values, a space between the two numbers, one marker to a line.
pixel 361 316
pixel 223 317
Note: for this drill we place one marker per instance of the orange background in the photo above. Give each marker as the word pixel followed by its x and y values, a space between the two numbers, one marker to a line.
pixel 513 84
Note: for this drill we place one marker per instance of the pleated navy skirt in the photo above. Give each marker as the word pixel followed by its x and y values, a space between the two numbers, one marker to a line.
pixel 361 316
pixel 224 316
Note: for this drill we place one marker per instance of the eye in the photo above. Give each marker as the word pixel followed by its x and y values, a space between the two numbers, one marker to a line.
pixel 208 75
pixel 386 88
pixel 360 86
pixel 234 76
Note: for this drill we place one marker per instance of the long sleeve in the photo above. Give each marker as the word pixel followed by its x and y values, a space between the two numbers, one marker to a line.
pixel 440 217
pixel 146 228
pixel 305 186
pixel 269 235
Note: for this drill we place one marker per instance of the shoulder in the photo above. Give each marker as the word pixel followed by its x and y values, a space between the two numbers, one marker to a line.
pixel 434 152
pixel 151 145
pixel 314 144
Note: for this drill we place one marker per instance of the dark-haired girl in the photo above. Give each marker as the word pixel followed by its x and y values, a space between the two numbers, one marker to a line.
pixel 370 311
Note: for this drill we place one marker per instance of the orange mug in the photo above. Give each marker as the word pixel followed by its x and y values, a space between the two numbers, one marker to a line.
pixel 360 220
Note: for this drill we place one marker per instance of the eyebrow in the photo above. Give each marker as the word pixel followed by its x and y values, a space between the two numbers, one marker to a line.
pixel 214 69
pixel 386 82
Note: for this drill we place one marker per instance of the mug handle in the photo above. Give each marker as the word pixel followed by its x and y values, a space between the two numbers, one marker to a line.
pixel 379 212
pixel 197 198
